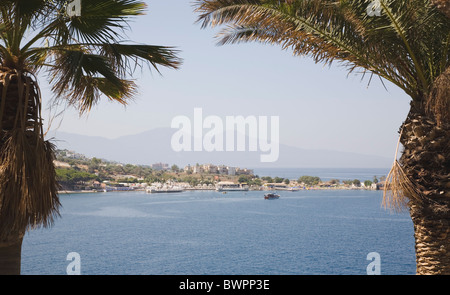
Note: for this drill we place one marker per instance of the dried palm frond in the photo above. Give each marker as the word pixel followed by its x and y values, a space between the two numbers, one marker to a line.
pixel 27 191
pixel 438 103
pixel 399 189
pixel 28 187
pixel 443 6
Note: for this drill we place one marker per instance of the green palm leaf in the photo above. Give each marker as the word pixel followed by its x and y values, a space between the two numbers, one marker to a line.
pixel 125 56
pixel 394 45
pixel 79 50
pixel 82 77
pixel 86 60
pixel 101 20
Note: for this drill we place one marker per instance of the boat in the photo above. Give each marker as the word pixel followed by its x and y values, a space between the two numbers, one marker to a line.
pixel 164 189
pixel 226 186
pixel 280 187
pixel 271 196
pixel 116 189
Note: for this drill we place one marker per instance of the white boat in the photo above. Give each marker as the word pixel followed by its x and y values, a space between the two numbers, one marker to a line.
pixel 164 189
pixel 117 189
pixel 281 187
pixel 231 186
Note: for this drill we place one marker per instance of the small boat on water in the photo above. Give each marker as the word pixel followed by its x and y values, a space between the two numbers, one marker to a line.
pixel 271 196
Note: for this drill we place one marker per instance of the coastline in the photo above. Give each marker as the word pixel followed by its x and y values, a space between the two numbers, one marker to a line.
pixel 262 189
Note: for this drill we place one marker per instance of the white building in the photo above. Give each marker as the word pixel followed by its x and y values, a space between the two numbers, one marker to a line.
pixel 231 170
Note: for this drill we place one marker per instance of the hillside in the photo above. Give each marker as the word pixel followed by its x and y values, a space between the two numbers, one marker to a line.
pixel 153 146
pixel 76 171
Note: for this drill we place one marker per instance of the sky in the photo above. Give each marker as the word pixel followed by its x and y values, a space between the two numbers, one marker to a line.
pixel 319 107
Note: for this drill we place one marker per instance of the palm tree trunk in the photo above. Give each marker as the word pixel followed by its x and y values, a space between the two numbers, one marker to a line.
pixel 426 161
pixel 10 255
pixel 432 235
pixel 28 185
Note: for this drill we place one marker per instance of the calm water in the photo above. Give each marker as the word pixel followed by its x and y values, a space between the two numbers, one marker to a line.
pixel 304 232
pixel 325 174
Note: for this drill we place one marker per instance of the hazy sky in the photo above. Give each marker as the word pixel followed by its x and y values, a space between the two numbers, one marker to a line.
pixel 319 107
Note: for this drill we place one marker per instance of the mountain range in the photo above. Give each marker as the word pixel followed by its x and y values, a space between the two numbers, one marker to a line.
pixel 154 146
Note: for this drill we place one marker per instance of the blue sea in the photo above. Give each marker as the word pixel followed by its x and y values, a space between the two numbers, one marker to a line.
pixel 308 232
pixel 325 174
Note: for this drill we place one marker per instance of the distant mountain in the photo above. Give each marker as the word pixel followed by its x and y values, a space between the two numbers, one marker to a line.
pixel 154 146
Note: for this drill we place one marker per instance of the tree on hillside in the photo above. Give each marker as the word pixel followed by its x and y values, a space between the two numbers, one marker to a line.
pixel 309 180
pixel 403 42
pixel 244 179
pixel 356 182
pixel 175 168
pixel 71 177
pixel 267 179
pixel 83 53
pixel 278 179
pixel 368 183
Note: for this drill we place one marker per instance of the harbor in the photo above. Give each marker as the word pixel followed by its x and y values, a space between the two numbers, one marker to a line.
pixel 238 233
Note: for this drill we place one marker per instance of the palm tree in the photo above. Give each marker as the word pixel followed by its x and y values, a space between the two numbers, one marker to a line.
pixel 403 42
pixel 79 45
pixel 443 5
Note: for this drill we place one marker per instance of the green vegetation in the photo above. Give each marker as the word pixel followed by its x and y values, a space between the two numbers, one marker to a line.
pixel 70 178
pixel 309 180
pixel 355 182
pixel 73 175
pixel 267 179
pixel 278 179
pixel 250 180
pixel 368 183
pixel 80 171
pixel 115 173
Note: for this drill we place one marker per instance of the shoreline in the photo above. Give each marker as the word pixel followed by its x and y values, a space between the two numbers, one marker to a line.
pixel 66 192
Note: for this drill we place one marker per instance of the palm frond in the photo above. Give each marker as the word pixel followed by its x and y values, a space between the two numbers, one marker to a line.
pixel 399 22
pixel 82 77
pixel 102 20
pixel 28 188
pixel 125 57
pixel 86 61
pixel 399 190
pixel 28 194
pixel 391 46
pixel 83 51
pixel 438 102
